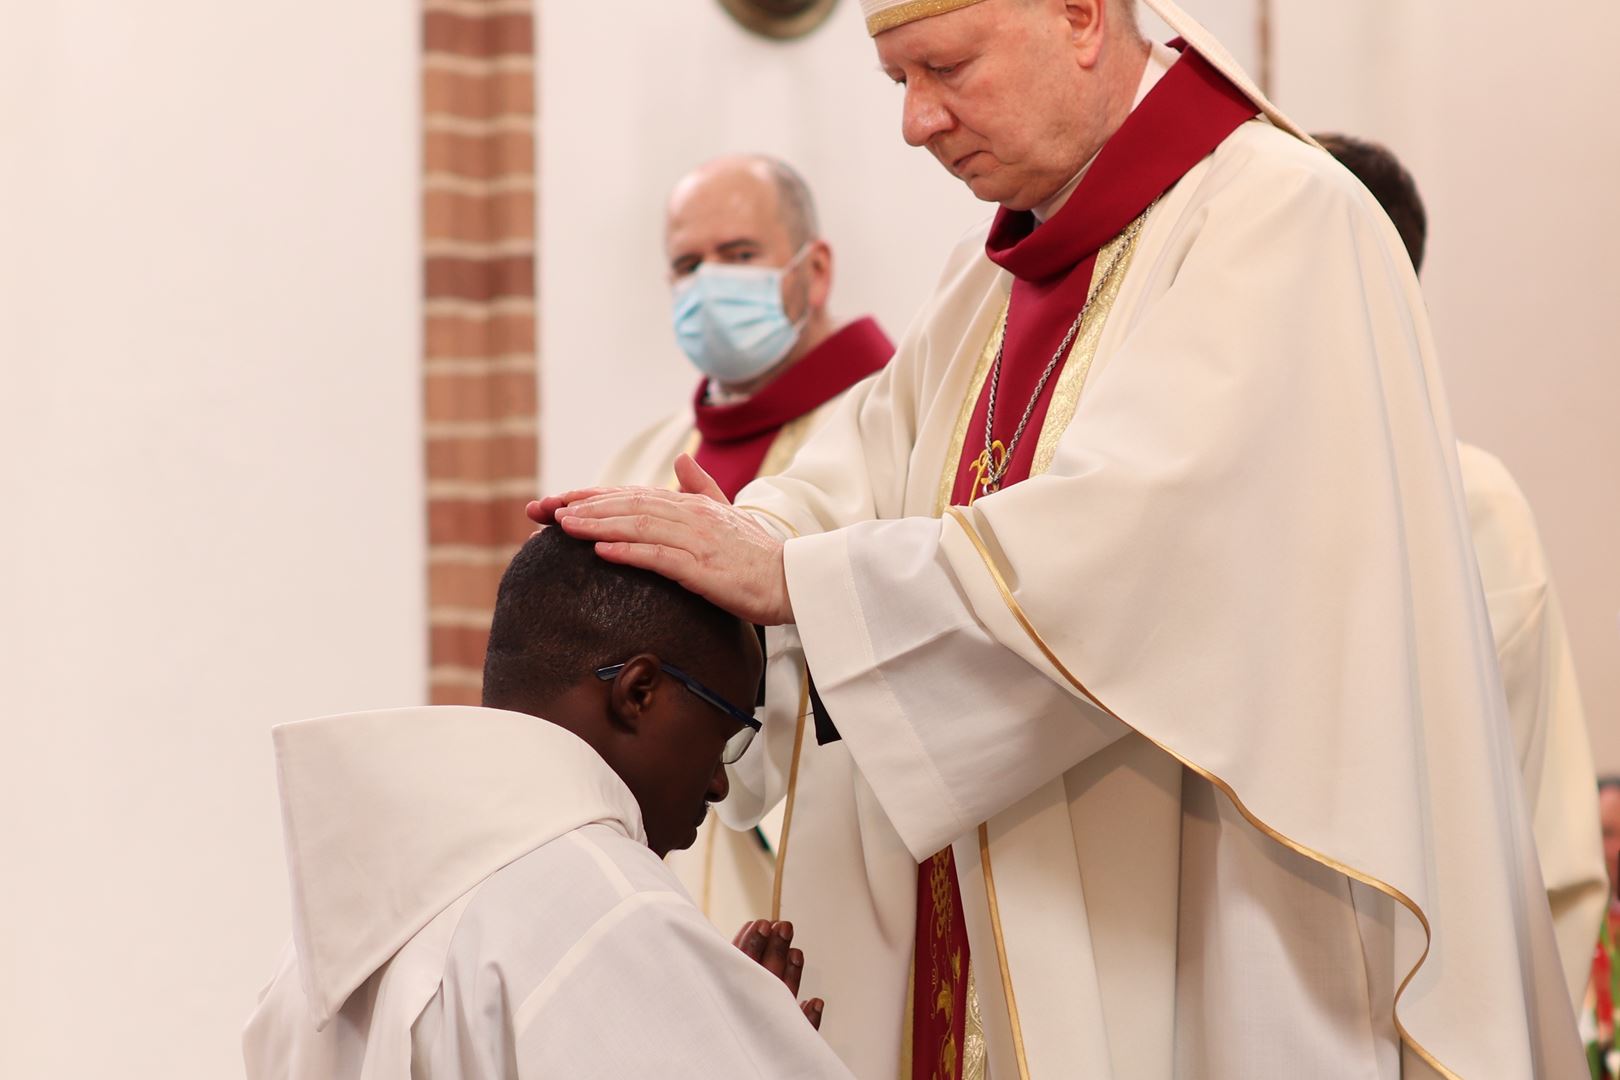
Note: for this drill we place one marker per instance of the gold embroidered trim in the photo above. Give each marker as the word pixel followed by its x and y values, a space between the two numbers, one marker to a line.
pixel 792 797
pixel 789 438
pixel 981 372
pixel 945 967
pixel 1072 380
pixel 906 1059
pixel 778 518
pixel 975 1055
pixel 1001 944
pixel 1226 789
pixel 911 11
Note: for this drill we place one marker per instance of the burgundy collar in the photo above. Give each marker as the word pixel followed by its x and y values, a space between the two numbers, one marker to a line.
pixel 826 371
pixel 1191 110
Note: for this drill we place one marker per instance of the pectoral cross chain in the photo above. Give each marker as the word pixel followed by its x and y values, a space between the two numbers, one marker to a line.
pixel 990 467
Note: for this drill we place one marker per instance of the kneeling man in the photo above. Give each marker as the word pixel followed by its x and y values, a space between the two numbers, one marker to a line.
pixel 479 893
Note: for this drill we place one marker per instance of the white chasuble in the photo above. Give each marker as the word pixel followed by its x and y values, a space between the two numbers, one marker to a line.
pixel 1209 707
pixel 1544 707
pixel 836 869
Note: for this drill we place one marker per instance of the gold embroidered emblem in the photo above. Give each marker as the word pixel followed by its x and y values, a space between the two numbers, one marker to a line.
pixel 988 469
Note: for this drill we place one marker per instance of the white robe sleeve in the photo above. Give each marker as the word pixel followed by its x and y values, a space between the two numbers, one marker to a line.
pixel 948 725
pixel 653 990
pixel 1544 707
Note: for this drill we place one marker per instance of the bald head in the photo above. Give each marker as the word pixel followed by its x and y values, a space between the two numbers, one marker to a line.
pixel 747 191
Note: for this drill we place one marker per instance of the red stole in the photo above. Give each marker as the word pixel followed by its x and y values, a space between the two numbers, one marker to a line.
pixel 736 438
pixel 1190 112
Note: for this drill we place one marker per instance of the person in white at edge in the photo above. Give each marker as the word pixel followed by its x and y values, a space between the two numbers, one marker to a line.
pixel 752 282
pixel 1527 623
pixel 1201 701
pixel 478 893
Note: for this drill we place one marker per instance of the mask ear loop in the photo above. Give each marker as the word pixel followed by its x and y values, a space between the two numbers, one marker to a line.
pixel 787 268
pixel 804 249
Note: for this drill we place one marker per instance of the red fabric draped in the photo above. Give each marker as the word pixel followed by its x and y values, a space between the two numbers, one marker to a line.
pixel 1190 112
pixel 735 438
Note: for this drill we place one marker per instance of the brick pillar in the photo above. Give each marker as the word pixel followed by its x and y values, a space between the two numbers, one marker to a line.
pixel 480 393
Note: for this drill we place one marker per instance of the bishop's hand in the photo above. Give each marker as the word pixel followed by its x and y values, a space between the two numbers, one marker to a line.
pixel 769 944
pixel 694 537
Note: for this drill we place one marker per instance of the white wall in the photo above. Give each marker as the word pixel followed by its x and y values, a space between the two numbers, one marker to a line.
pixel 209 443
pixel 627 105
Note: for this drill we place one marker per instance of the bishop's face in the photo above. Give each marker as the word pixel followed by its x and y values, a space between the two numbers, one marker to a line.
pixel 1003 93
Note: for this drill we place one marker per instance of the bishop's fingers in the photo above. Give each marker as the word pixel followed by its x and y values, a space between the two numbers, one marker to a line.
pixel 631 529
pixel 544 511
pixel 695 481
pixel 612 501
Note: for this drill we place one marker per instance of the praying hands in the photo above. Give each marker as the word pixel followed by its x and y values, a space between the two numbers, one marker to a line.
pixel 769 944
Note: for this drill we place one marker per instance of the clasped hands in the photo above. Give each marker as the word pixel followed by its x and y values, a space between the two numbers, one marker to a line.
pixel 769 944
pixel 694 537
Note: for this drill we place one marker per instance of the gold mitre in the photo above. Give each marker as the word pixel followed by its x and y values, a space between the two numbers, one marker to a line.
pixel 884 15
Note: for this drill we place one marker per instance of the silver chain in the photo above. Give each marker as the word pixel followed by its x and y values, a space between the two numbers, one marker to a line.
pixel 993 475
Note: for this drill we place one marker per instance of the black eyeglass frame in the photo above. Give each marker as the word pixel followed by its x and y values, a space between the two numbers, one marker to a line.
pixel 750 726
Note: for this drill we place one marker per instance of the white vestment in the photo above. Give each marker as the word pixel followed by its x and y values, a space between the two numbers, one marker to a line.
pixel 1208 707
pixel 473 899
pixel 847 881
pixel 1544 708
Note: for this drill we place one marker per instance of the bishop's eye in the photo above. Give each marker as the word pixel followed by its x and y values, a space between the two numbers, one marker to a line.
pixel 944 69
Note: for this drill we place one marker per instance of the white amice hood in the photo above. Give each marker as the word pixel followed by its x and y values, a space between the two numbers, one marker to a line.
pixel 388 817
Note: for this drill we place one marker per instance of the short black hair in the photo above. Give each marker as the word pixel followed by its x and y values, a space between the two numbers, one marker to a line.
pixel 562 612
pixel 1383 174
pixel 1605 783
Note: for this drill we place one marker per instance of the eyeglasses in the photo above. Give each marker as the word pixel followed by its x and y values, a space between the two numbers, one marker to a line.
pixel 738 743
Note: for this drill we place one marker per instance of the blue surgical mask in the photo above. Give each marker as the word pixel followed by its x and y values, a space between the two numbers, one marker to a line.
pixel 729 319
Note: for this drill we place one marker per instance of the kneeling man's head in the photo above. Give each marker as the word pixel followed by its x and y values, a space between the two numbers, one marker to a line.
pixel 657 680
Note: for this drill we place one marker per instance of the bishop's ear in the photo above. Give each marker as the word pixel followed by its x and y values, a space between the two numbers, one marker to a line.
pixel 634 692
pixel 1086 25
